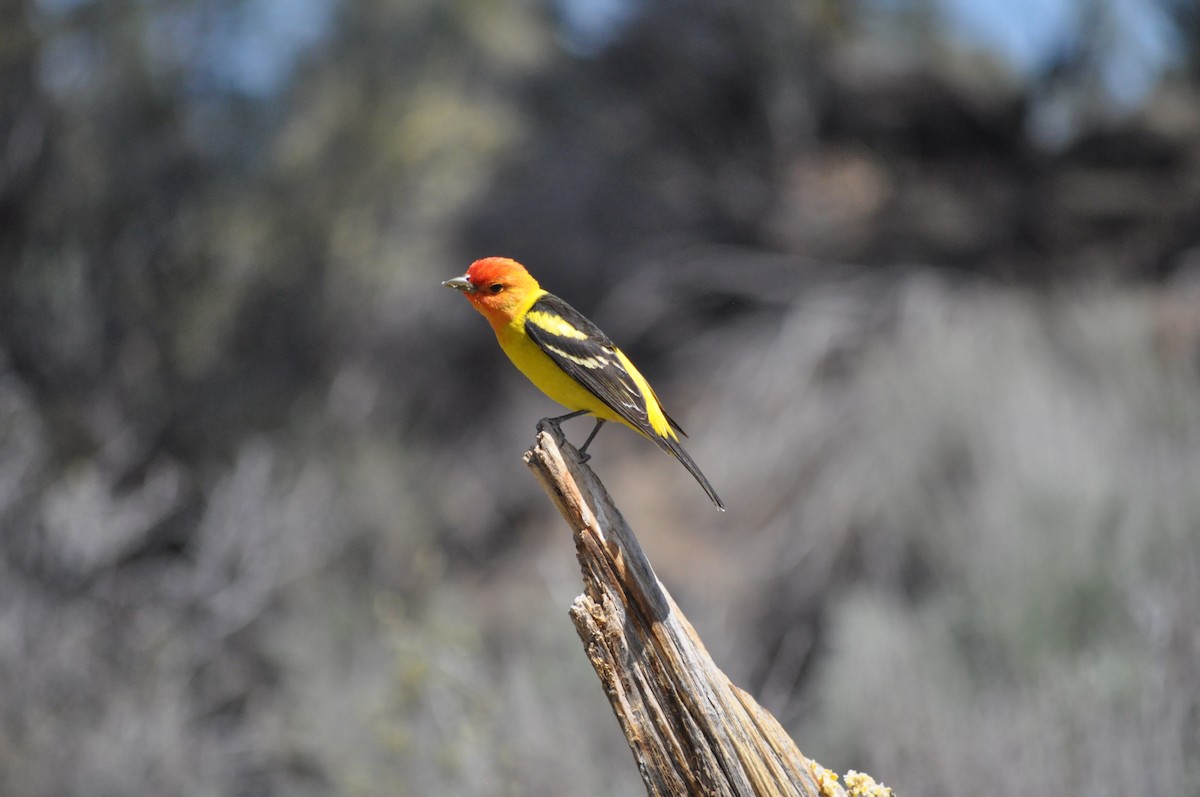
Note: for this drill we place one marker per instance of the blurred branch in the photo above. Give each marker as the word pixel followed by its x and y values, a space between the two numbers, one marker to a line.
pixel 690 729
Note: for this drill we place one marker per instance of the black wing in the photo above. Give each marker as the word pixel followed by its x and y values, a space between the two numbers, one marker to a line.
pixel 581 349
pixel 577 346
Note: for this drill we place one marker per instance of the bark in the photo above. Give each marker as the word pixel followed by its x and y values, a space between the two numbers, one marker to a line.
pixel 691 730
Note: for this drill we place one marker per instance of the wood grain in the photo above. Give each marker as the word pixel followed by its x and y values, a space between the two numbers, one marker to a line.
pixel 692 732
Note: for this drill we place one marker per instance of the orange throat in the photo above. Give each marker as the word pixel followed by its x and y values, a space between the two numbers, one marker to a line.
pixel 499 319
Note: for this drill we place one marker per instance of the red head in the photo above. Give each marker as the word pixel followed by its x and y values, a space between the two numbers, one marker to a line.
pixel 498 287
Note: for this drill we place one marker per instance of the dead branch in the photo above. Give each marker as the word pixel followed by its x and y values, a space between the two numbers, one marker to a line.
pixel 692 732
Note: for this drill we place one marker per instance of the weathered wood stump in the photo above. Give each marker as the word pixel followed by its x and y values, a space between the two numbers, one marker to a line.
pixel 692 732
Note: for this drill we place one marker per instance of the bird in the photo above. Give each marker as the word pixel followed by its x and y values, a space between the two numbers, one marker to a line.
pixel 569 358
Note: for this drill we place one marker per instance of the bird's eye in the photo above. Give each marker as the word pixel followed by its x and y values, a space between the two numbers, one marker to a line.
pixel 495 287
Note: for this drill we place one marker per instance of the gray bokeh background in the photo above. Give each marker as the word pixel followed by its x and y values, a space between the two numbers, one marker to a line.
pixel 919 278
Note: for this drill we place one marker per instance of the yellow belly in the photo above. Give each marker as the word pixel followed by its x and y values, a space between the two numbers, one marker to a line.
pixel 548 377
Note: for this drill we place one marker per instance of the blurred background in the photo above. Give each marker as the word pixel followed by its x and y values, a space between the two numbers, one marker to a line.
pixel 920 277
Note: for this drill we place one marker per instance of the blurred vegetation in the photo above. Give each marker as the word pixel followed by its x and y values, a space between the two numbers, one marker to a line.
pixel 929 310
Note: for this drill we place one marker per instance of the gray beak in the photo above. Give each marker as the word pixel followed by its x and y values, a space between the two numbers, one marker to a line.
pixel 460 284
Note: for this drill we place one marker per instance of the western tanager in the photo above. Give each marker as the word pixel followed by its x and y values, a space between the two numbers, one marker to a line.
pixel 568 357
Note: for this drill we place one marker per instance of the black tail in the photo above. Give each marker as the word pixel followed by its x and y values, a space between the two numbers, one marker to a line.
pixel 673 448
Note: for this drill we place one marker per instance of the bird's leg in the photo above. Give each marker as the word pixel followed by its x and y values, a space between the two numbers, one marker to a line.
pixel 567 417
pixel 553 423
pixel 584 456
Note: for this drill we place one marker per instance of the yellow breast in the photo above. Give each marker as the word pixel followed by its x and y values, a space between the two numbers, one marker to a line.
pixel 537 366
